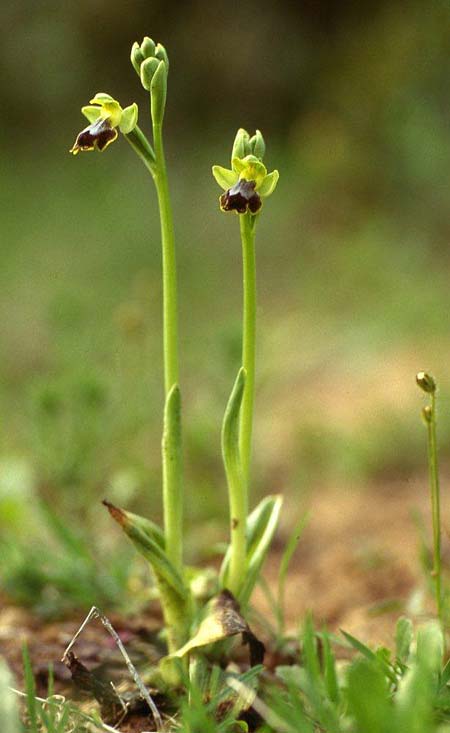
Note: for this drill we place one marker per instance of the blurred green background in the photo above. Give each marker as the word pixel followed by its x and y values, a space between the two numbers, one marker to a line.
pixel 353 265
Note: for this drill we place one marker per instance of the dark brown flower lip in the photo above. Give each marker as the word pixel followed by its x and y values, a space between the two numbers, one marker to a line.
pixel 241 197
pixel 98 135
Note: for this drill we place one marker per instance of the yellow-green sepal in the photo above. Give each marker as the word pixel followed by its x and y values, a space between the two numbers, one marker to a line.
pixel 224 176
pixel 109 106
pixel 268 185
pixel 91 113
pixel 129 118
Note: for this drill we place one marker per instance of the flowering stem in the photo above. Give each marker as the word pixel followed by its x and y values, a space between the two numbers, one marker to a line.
pixel 170 306
pixel 435 501
pixel 247 225
pixel 171 449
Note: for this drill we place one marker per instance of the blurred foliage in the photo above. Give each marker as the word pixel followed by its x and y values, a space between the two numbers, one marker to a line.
pixel 352 252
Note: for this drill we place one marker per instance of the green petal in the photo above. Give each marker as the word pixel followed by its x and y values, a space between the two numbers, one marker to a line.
pixel 224 177
pixel 250 168
pixel 102 98
pixel 91 113
pixel 269 184
pixel 109 105
pixel 129 119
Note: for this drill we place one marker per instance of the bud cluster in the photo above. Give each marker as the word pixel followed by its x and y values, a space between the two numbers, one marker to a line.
pixel 426 382
pixel 151 63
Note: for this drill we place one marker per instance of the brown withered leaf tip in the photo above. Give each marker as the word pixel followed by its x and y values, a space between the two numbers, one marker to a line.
pixel 241 197
pixel 234 623
pixel 88 682
pixel 116 513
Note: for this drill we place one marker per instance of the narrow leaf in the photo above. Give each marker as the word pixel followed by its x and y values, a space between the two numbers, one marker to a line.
pixel 256 560
pixel 403 638
pixel 149 548
pixel 30 687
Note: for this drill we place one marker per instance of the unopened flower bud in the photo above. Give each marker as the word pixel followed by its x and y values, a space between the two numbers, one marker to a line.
pixel 161 54
pixel 241 145
pixel 426 382
pixel 257 145
pixel 147 71
pixel 158 91
pixel 137 57
pixel 148 47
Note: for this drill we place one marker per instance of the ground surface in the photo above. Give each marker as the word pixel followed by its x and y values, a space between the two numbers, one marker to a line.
pixel 357 567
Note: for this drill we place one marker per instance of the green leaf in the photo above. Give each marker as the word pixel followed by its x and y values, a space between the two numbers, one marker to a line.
pixel 230 430
pixel 372 656
pixel 30 687
pixel 403 638
pixel 172 475
pixel 330 675
pixel 430 647
pixel 288 552
pixel 261 547
pixel 368 696
pixel 257 523
pixel 225 178
pixel 129 119
pixel 269 184
pixel 148 546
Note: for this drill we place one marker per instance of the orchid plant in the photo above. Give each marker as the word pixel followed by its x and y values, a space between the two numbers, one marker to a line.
pixel 193 622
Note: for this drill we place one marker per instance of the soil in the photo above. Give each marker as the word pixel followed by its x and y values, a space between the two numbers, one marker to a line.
pixel 357 567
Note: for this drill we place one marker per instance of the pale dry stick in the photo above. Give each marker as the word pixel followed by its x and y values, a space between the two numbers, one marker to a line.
pixel 95 613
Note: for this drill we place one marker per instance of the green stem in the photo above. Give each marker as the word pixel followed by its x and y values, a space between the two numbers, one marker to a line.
pixel 170 305
pixel 172 466
pixel 435 503
pixel 247 225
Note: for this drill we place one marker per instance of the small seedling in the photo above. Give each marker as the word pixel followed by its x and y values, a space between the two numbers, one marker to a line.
pixel 427 383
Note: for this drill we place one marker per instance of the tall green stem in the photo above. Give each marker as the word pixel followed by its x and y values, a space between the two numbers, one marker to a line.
pixel 172 463
pixel 435 501
pixel 170 305
pixel 247 225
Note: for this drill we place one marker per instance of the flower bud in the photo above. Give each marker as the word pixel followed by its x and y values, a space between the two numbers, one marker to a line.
pixel 161 54
pixel 148 69
pixel 158 91
pixel 241 145
pixel 426 382
pixel 137 57
pixel 148 47
pixel 257 145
